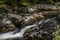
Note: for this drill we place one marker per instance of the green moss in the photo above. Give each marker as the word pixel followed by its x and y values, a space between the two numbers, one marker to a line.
pixel 57 34
pixel 25 3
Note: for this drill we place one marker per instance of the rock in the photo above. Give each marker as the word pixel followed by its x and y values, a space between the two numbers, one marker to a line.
pixel 47 7
pixel 44 7
pixel 32 9
pixel 58 18
pixel 26 20
pixel 23 10
pixel 12 21
pixel 6 25
pixel 41 32
pixel 16 19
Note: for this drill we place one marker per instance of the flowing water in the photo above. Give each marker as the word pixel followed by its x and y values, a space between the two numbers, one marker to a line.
pixel 10 35
pixel 19 34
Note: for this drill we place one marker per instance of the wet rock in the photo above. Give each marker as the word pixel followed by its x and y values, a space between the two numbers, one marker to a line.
pixel 24 20
pixel 44 7
pixel 6 25
pixel 47 7
pixel 23 10
pixel 58 18
pixel 49 25
pixel 16 19
pixel 42 32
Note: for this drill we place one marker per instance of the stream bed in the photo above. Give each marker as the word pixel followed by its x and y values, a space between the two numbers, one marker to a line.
pixel 38 22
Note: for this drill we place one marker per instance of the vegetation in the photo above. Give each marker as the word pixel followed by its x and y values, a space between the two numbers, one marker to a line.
pixel 18 3
pixel 20 8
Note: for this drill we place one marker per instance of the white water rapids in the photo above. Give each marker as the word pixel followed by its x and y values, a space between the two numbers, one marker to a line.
pixel 10 35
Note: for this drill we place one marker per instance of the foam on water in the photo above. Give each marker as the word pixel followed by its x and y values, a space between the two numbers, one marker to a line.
pixel 10 35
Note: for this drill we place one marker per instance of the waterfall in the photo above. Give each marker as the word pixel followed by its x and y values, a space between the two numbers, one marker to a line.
pixel 10 35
